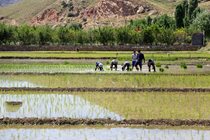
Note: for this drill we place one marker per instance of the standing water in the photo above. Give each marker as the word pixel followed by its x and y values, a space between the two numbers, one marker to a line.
pixel 52 106
pixel 18 84
pixel 103 134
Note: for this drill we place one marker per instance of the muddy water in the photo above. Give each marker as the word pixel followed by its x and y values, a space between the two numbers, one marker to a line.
pixel 12 83
pixel 103 134
pixel 173 69
pixel 52 106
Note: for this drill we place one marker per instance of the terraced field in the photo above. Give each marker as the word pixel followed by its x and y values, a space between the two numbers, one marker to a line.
pixel 63 91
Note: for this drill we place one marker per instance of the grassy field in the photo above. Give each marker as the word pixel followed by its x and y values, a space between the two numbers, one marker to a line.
pixel 112 80
pixel 24 10
pixel 154 105
pixel 160 56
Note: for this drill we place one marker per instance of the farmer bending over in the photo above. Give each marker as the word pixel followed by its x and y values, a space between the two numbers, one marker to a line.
pixel 126 65
pixel 150 64
pixel 114 64
pixel 99 66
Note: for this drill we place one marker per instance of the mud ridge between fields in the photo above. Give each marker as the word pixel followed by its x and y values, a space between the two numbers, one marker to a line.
pixel 102 73
pixel 78 58
pixel 69 121
pixel 73 58
pixel 85 89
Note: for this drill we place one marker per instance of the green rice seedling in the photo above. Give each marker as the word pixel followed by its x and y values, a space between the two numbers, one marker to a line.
pixel 107 62
pixel 66 63
pixel 161 69
pixel 183 65
pixel 200 66
pixel 166 67
pixel 158 65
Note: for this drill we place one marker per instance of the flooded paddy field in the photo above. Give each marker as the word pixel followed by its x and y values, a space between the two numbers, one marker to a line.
pixel 101 113
pixel 105 81
pixel 100 105
pixel 102 133
pixel 52 106
pixel 77 67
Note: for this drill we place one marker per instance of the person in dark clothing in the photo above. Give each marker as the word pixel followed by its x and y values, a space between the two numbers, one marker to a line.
pixel 150 64
pixel 126 66
pixel 140 58
pixel 99 66
pixel 114 64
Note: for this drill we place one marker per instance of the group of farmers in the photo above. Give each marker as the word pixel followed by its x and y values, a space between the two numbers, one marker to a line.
pixel 137 61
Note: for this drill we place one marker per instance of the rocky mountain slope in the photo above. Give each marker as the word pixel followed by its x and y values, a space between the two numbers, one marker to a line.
pixel 90 13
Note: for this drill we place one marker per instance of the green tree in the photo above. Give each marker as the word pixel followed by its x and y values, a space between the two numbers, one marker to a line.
pixel 123 35
pixel 27 35
pixel 193 4
pixel 46 35
pixel 106 35
pixel 202 23
pixel 165 21
pixel 179 16
pixel 167 36
pixel 63 35
pixel 148 36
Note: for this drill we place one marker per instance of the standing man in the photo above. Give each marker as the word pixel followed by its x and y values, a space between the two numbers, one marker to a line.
pixel 134 59
pixel 114 64
pixel 140 58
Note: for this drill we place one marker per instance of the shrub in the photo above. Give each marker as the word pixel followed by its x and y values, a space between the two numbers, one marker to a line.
pixel 107 62
pixel 161 69
pixel 158 65
pixel 106 35
pixel 183 65
pixel 200 66
pixel 66 63
pixel 166 66
pixel 202 22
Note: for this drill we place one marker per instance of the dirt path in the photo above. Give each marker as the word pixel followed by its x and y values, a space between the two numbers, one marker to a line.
pixel 69 121
pixel 84 89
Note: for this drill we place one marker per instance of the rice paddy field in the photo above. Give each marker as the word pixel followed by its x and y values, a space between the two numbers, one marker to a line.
pixel 59 95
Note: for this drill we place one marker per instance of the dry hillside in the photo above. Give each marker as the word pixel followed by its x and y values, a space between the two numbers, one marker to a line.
pixel 88 12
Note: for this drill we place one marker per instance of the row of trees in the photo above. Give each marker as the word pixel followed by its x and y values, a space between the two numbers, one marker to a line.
pixel 162 30
pixel 45 35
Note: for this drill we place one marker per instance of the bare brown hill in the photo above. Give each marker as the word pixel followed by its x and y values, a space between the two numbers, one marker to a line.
pixel 102 11
pixel 110 8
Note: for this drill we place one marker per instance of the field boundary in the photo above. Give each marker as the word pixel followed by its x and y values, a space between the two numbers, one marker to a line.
pixel 85 89
pixel 104 73
pixel 133 122
pixel 79 58
pixel 186 47
pixel 58 58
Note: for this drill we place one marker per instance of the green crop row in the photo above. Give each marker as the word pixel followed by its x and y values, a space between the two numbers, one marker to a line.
pixel 112 80
pixel 170 56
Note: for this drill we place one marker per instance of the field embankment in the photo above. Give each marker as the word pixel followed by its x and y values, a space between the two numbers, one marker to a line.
pixel 101 48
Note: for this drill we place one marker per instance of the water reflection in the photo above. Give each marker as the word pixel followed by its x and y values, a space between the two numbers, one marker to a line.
pixel 11 83
pixel 53 106
pixel 104 134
